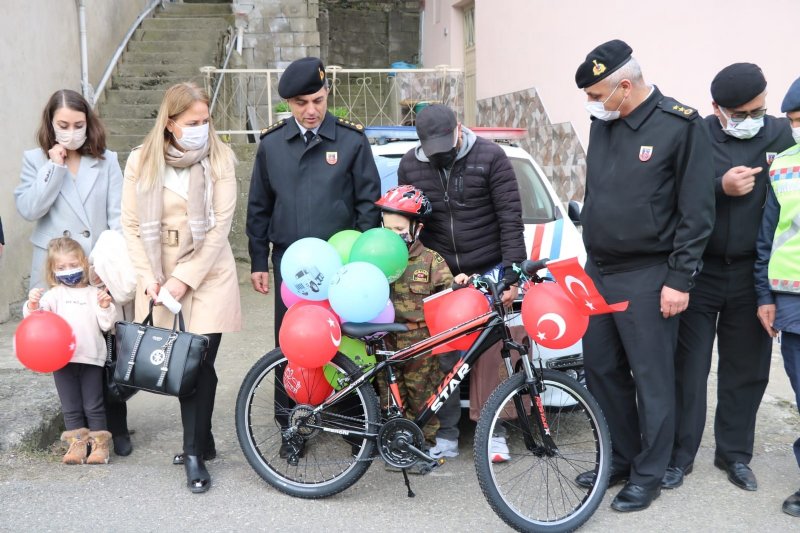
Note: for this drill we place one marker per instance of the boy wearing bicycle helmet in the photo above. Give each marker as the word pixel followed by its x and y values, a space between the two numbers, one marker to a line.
pixel 404 210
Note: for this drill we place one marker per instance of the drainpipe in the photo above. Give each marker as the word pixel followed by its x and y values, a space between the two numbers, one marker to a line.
pixel 85 86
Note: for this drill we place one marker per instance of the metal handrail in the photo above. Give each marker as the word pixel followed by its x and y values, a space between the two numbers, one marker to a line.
pixel 210 71
pixel 120 49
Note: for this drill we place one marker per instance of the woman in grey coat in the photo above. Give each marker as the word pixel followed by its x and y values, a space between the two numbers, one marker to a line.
pixel 71 186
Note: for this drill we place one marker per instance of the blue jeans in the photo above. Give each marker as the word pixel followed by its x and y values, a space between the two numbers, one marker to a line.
pixel 790 349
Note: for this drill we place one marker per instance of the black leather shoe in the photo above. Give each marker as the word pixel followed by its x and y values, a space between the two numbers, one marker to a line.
pixel 791 505
pixel 673 477
pixel 208 455
pixel 122 444
pixel 738 473
pixel 634 497
pixel 197 477
pixel 586 479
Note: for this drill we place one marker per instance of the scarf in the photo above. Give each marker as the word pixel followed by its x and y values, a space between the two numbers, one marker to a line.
pixel 149 204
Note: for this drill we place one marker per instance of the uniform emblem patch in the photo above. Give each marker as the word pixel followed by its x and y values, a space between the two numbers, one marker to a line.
pixel 421 275
pixel 645 152
pixel 598 68
pixel 771 157
pixel 331 157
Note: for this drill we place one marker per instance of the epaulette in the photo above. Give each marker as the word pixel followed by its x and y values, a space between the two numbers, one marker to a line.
pixel 668 105
pixel 352 125
pixel 437 258
pixel 272 127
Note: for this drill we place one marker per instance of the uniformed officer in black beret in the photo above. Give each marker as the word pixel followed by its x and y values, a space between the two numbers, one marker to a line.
pixel 314 175
pixel 744 141
pixel 777 268
pixel 648 212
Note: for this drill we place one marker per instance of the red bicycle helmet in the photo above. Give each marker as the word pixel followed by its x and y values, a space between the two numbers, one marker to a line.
pixel 405 200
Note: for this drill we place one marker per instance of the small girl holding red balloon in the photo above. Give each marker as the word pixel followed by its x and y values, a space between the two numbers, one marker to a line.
pixel 90 312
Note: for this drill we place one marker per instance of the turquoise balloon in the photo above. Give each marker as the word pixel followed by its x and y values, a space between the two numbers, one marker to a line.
pixel 384 249
pixel 358 292
pixel 307 267
pixel 343 242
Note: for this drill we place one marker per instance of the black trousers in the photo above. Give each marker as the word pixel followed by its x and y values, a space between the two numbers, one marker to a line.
pixel 722 305
pixel 196 409
pixel 80 389
pixel 629 363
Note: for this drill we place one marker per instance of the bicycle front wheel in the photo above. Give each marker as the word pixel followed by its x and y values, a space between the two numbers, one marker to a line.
pixel 531 486
pixel 324 460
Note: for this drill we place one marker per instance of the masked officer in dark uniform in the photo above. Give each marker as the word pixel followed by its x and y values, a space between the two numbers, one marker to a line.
pixel 314 175
pixel 744 141
pixel 648 212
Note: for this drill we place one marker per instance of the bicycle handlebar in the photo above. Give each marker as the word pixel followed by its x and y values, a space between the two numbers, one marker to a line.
pixel 527 270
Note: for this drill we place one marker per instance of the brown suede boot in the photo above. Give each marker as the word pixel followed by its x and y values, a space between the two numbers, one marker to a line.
pixel 77 439
pixel 99 441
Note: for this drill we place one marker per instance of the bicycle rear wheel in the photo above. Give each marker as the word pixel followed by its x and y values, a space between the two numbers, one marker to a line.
pixel 535 490
pixel 330 461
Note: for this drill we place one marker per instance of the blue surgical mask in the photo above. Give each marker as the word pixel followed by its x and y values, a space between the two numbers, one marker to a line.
pixel 69 277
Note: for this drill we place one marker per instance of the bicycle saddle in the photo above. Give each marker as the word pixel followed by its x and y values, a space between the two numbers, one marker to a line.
pixel 364 329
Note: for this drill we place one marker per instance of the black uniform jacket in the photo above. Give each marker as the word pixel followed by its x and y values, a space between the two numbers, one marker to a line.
pixel 313 190
pixel 649 191
pixel 739 217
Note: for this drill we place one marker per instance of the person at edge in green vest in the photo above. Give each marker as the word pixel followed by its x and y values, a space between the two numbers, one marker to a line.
pixel 777 269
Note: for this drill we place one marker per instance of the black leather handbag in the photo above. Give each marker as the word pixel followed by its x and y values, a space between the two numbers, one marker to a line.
pixel 112 392
pixel 160 360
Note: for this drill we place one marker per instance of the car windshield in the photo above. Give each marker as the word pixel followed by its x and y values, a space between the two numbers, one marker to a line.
pixel 387 168
pixel 537 207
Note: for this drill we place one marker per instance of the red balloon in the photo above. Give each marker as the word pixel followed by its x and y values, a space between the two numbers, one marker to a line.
pixel 551 319
pixel 456 308
pixel 310 335
pixel 325 304
pixel 44 342
pixel 306 385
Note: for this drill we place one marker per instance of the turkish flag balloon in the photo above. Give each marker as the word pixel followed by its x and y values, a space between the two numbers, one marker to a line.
pixel 306 385
pixel 44 342
pixel 454 308
pixel 550 317
pixel 310 335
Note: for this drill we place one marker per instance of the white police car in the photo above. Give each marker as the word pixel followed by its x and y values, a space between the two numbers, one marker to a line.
pixel 549 230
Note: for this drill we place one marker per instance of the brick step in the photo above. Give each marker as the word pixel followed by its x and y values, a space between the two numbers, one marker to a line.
pixel 209 46
pixel 123 143
pixel 195 10
pixel 159 71
pixel 198 24
pixel 154 82
pixel 199 57
pixel 128 126
pixel 199 38
pixel 135 97
pixel 108 111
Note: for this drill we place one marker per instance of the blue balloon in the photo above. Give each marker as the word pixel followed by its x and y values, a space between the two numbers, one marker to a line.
pixel 358 292
pixel 308 266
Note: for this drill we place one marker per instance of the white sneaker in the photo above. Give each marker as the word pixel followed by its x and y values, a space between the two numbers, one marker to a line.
pixel 444 448
pixel 498 449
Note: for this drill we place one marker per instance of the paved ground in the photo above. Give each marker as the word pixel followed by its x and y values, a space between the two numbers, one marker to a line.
pixel 144 492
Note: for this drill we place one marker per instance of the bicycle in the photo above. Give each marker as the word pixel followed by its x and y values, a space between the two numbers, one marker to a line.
pixel 317 451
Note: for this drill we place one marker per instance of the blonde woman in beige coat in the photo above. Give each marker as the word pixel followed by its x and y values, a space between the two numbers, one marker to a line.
pixel 178 200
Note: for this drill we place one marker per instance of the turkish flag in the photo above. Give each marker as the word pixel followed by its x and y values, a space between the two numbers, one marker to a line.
pixel 580 288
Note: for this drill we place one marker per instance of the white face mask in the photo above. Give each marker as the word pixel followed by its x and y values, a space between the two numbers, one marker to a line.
pixel 194 137
pixel 598 109
pixel 745 129
pixel 796 134
pixel 70 139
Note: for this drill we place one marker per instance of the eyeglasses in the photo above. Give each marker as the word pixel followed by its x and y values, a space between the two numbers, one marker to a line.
pixel 740 116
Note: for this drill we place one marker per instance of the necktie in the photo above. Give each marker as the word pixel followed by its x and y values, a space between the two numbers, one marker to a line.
pixel 309 135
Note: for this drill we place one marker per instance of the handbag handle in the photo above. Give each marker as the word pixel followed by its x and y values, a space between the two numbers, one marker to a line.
pixel 177 322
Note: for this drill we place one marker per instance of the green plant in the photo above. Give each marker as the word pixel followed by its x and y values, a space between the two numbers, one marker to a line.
pixel 281 107
pixel 339 112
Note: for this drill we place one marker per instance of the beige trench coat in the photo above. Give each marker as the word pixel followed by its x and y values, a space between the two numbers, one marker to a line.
pixel 211 304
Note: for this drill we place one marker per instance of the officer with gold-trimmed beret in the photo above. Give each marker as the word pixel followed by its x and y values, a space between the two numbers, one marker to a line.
pixel 648 212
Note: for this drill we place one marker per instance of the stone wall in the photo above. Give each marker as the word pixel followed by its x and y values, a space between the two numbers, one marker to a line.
pixel 278 31
pixel 554 146
pixel 369 33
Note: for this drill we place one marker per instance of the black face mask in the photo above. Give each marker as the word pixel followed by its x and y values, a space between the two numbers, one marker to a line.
pixel 444 159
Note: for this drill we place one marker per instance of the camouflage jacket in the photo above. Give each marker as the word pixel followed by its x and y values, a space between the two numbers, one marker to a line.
pixel 426 274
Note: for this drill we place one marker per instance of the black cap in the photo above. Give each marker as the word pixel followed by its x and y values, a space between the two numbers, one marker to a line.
pixel 435 125
pixel 791 102
pixel 737 84
pixel 601 62
pixel 304 76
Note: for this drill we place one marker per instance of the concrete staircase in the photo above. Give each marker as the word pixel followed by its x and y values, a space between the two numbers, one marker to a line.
pixel 168 48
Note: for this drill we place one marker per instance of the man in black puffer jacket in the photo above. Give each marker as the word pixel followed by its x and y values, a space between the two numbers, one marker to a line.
pixel 475 224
